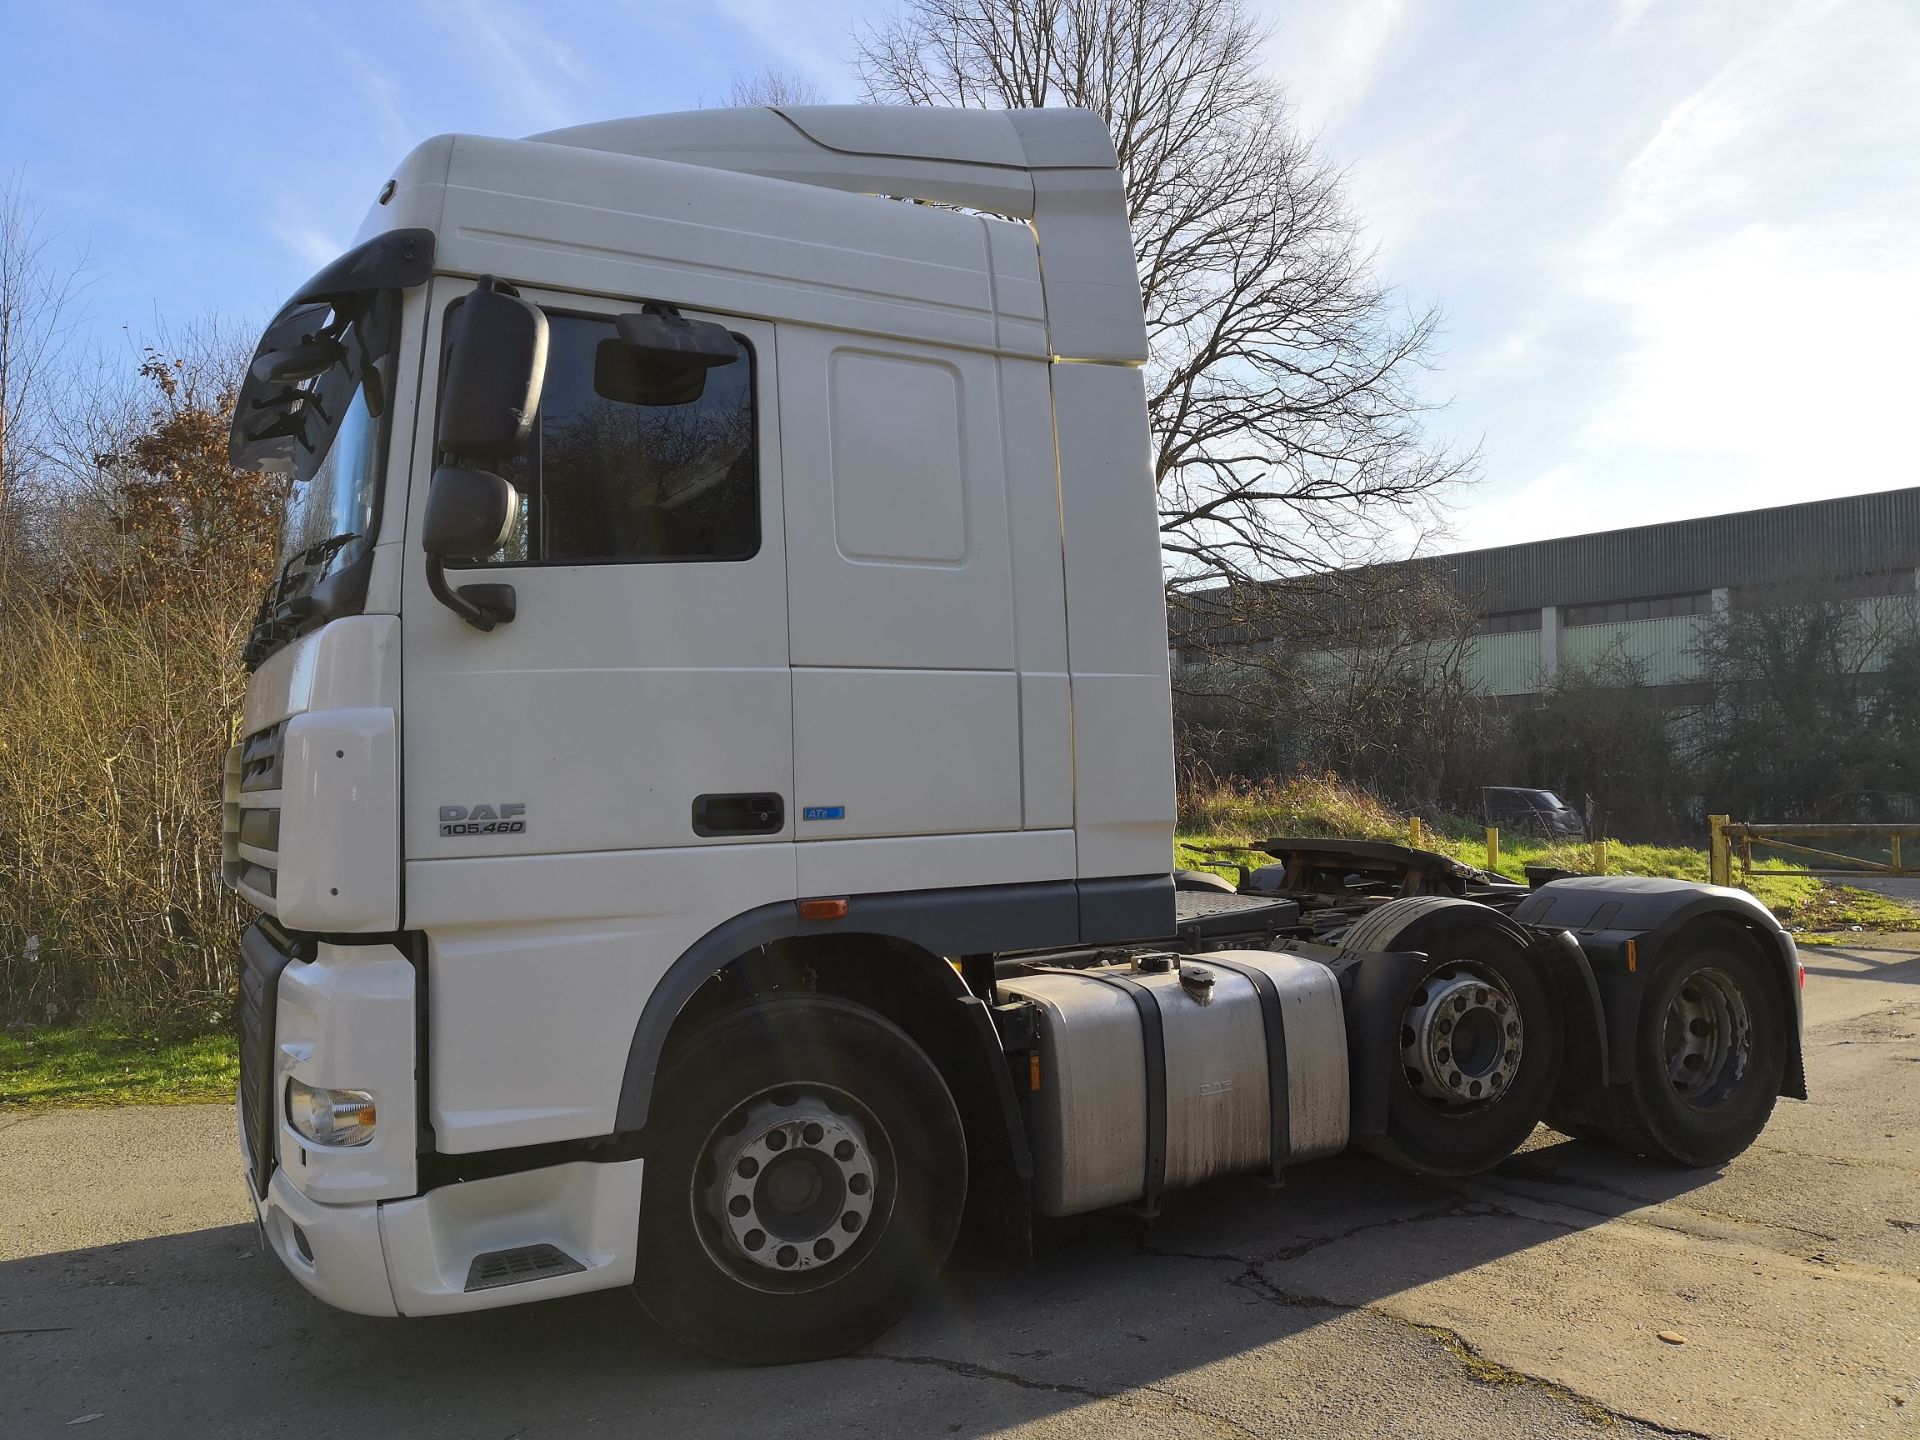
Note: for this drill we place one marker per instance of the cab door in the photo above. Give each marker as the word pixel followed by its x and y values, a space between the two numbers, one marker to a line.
pixel 640 699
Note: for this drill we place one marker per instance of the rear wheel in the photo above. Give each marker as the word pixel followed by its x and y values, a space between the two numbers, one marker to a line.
pixel 1709 1051
pixel 1479 1038
pixel 806 1183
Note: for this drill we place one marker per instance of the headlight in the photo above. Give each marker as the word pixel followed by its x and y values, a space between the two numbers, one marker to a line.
pixel 331 1117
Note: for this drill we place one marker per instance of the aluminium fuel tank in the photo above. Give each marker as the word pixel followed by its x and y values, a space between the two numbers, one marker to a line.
pixel 1163 1071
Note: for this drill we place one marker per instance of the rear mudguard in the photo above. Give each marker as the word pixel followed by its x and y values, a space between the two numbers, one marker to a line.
pixel 1627 926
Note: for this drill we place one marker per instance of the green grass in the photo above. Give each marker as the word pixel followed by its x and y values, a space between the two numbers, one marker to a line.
pixel 108 1063
pixel 1217 825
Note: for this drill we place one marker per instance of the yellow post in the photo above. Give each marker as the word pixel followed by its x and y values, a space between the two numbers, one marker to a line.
pixel 1599 857
pixel 1416 833
pixel 1895 838
pixel 1493 847
pixel 1719 860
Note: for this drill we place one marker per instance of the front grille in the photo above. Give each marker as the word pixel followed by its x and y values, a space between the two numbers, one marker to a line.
pixel 251 833
pixel 260 756
pixel 263 955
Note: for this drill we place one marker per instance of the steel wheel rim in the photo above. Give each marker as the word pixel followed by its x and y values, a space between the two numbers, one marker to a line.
pixel 791 1186
pixel 1707 1038
pixel 1461 1038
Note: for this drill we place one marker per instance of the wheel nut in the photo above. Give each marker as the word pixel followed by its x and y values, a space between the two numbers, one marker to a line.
pixel 823 1249
pixel 812 1134
pixel 843 1151
pixel 858 1184
pixel 850 1221
pixel 776 1140
pixel 786 1255
pixel 747 1168
pixel 739 1205
pixel 754 1239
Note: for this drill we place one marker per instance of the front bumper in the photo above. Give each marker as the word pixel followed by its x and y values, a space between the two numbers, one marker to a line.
pixel 349 1222
pixel 418 1256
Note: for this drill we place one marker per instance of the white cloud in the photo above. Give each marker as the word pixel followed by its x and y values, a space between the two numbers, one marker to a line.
pixel 813 39
pixel 526 68
pixel 306 243
pixel 1332 55
pixel 1676 248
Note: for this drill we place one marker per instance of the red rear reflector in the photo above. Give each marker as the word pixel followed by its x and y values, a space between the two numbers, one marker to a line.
pixel 835 909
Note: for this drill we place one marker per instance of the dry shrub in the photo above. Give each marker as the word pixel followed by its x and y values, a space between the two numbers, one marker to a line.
pixel 1307 805
pixel 122 612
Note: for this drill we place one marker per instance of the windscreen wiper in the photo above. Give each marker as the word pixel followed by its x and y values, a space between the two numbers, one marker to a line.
pixel 279 614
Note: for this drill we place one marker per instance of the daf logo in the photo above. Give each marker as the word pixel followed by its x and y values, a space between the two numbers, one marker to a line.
pixel 505 818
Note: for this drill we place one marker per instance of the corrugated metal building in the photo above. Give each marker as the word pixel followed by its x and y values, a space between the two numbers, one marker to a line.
pixel 1646 592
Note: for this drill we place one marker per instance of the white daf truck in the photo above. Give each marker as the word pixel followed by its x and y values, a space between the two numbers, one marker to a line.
pixel 706 777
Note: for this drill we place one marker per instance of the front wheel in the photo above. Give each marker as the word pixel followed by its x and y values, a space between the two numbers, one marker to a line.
pixel 1709 1051
pixel 805 1180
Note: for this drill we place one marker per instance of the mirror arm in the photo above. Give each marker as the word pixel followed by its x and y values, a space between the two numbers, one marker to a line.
pixel 481 606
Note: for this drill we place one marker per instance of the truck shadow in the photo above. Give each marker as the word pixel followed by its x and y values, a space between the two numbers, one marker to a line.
pixel 1837 962
pixel 200 1334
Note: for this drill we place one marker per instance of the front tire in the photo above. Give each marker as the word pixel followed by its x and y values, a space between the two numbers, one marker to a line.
pixel 805 1179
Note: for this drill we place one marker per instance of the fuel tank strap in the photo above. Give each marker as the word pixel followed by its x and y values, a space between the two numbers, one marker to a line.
pixel 1153 1042
pixel 1273 1018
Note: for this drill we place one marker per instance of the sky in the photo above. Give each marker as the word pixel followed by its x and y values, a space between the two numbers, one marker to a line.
pixel 1674 240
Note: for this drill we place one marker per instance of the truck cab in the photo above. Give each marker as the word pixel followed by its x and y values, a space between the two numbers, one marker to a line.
pixel 869 616
pixel 711 725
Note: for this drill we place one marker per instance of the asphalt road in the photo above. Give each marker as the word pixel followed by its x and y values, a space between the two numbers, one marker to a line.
pixel 134 1300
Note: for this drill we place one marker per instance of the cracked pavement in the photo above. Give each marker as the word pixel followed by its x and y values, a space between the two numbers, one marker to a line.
pixel 1356 1302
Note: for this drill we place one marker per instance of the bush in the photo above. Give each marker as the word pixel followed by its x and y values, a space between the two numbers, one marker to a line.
pixel 125 595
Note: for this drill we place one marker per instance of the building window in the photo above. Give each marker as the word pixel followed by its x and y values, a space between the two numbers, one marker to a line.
pixel 1623 612
pixel 1508 622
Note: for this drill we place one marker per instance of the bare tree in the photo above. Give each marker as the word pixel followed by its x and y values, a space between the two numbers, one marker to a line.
pixel 773 86
pixel 1286 424
pixel 37 299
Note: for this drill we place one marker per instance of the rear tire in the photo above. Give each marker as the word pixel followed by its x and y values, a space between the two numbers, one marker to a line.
pixel 805 1179
pixel 1709 1051
pixel 1437 1122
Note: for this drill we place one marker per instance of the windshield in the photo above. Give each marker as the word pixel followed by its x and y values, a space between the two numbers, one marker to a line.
pixel 1550 800
pixel 339 459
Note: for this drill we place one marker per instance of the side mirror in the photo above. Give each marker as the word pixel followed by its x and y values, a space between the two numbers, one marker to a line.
pixel 661 357
pixel 496 364
pixel 315 355
pixel 659 332
pixel 469 515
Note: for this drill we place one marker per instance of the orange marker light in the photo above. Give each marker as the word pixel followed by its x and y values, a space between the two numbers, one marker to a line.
pixel 1633 956
pixel 834 909
pixel 1033 1071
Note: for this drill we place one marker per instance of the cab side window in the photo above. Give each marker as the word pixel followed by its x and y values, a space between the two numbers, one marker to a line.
pixel 610 480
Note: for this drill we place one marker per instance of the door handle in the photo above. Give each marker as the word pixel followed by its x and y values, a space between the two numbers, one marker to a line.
pixel 754 814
